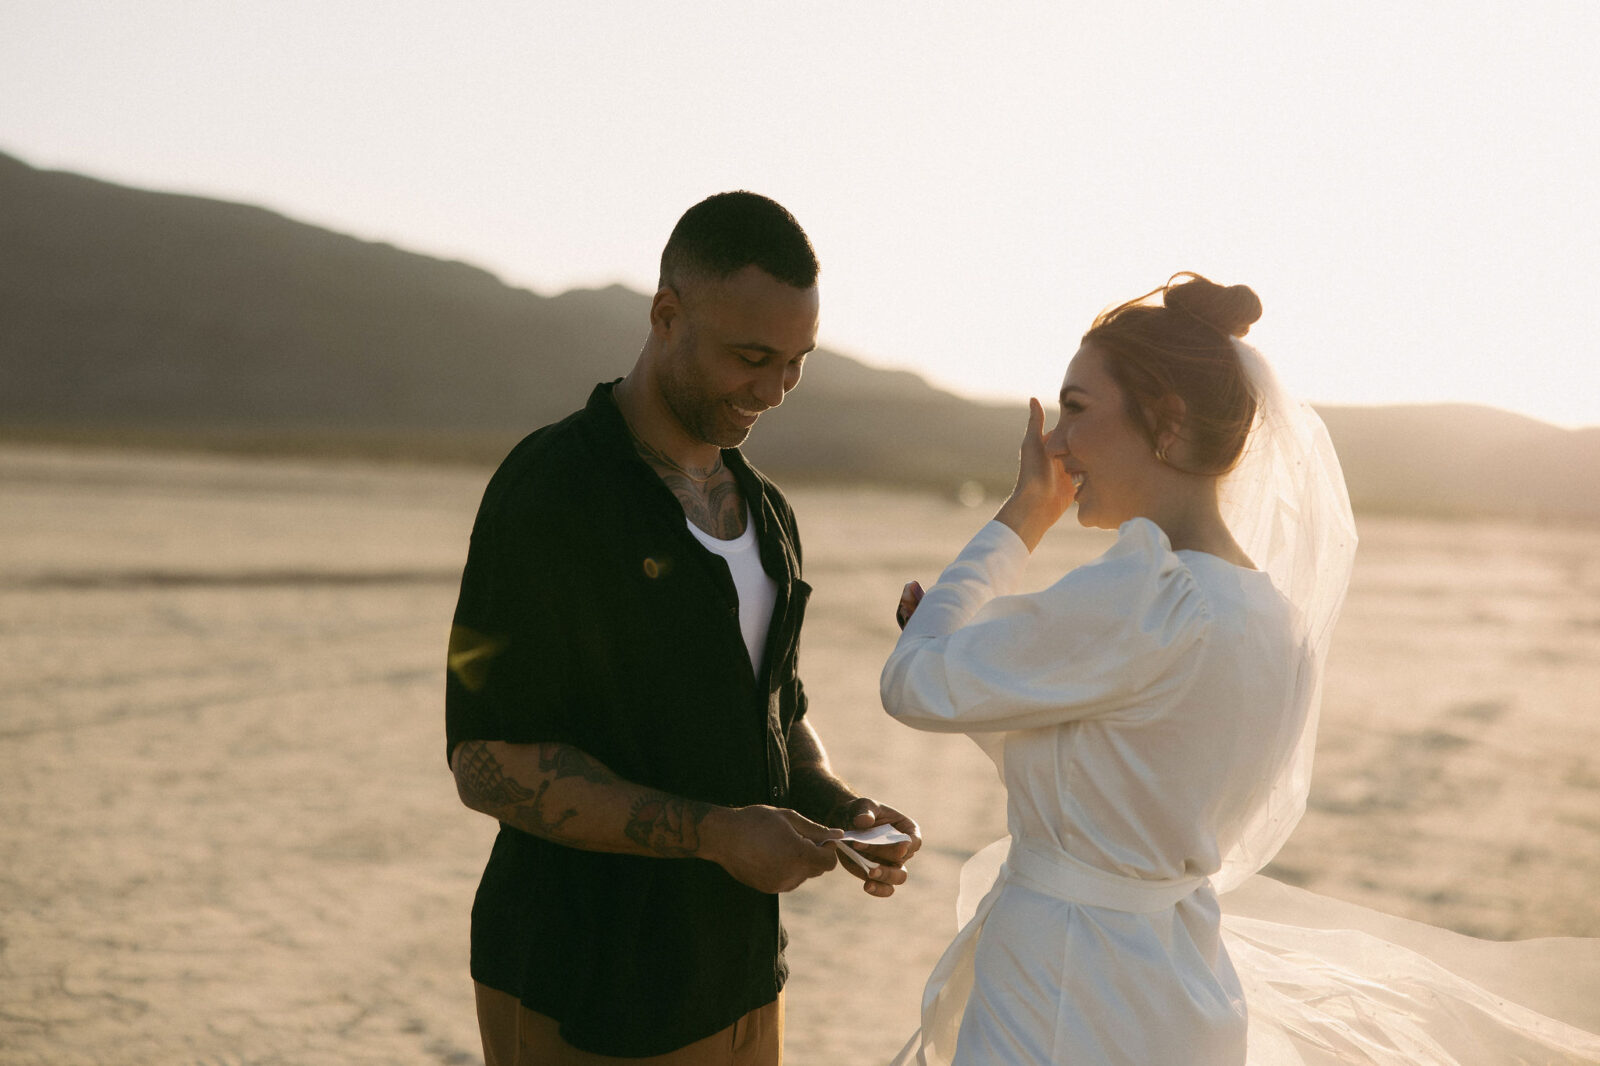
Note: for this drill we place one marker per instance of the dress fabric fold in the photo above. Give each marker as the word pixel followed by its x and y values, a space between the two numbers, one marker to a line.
pixel 1326 982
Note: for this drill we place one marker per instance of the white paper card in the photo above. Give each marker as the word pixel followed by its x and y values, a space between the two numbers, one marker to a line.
pixel 855 856
pixel 878 834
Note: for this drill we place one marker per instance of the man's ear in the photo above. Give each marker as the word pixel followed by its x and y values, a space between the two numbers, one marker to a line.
pixel 665 308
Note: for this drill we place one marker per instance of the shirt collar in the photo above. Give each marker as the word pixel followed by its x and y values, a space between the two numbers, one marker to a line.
pixel 613 444
pixel 613 441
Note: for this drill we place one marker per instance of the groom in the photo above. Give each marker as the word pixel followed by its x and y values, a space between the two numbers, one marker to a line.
pixel 622 693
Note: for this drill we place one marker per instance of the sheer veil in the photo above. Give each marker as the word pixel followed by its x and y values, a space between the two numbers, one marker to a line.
pixel 1287 506
pixel 1327 981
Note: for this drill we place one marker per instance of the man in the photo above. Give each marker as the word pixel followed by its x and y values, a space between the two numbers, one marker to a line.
pixel 622 693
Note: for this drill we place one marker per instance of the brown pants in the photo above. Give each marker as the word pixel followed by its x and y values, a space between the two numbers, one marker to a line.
pixel 513 1035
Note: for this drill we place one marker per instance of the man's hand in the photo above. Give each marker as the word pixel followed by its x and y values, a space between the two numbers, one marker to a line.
pixel 771 849
pixel 863 813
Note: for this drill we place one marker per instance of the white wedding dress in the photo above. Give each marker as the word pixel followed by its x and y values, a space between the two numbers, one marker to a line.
pixel 1145 713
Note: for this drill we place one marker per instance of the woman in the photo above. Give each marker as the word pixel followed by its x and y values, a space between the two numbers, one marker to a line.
pixel 1151 713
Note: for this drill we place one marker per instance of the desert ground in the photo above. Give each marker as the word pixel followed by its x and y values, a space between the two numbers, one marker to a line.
pixel 228 834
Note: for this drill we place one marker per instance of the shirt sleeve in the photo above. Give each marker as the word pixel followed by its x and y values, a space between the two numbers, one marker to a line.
pixel 1105 638
pixel 506 677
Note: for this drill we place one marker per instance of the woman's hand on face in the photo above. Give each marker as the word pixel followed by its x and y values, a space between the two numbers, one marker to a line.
pixel 1044 489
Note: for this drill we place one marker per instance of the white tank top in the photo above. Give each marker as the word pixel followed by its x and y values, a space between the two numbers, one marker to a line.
pixel 757 592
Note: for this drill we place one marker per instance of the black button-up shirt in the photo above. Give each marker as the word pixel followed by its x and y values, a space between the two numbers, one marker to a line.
pixel 614 630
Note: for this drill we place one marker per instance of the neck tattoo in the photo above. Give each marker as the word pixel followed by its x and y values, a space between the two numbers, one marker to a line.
pixel 655 454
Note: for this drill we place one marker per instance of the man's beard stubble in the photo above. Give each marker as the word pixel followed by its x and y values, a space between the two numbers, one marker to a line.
pixel 698 413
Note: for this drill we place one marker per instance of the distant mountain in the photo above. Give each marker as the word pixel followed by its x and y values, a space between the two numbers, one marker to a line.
pixel 129 315
pixel 1462 460
pixel 124 312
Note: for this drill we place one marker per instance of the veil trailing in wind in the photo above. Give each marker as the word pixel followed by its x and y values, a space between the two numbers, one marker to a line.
pixel 1330 982
pixel 1287 506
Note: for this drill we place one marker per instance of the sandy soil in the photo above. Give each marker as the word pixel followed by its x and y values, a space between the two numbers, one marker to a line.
pixel 227 834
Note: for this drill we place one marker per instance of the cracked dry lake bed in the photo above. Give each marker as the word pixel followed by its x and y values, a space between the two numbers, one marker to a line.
pixel 228 834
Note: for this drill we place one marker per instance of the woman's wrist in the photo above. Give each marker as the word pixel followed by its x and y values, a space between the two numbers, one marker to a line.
pixel 1026 518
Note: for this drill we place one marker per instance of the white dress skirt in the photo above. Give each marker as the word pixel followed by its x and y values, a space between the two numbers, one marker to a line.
pixel 1136 711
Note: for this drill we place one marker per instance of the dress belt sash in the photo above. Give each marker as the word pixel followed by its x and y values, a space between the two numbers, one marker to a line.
pixel 1060 876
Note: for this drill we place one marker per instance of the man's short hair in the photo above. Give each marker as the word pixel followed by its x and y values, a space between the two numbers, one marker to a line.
pixel 723 234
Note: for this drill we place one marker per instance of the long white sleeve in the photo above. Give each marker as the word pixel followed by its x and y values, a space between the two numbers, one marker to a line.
pixel 990 565
pixel 973 659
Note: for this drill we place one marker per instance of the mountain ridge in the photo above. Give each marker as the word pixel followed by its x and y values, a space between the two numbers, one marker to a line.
pixel 131 315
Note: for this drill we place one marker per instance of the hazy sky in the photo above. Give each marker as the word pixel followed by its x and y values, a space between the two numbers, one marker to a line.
pixel 1410 187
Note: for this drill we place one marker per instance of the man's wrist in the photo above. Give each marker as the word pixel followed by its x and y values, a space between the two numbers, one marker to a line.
pixel 819 795
pixel 717 829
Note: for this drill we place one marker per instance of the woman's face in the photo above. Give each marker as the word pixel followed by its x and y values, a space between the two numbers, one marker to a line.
pixel 1107 455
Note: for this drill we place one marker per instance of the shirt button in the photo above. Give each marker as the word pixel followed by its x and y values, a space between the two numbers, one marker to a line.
pixel 776 791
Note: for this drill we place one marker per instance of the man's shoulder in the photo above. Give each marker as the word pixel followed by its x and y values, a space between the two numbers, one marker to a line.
pixel 544 452
pixel 545 455
pixel 555 462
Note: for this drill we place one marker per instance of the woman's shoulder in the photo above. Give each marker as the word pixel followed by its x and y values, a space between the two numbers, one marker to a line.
pixel 1143 548
pixel 1141 536
pixel 1142 553
pixel 1138 578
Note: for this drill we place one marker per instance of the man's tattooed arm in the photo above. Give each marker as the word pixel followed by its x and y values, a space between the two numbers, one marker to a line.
pixel 667 825
pixel 560 793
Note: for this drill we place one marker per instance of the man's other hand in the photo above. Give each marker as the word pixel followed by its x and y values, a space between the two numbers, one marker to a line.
pixel 863 813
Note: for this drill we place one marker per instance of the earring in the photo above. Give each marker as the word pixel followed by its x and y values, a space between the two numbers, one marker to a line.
pixel 1161 453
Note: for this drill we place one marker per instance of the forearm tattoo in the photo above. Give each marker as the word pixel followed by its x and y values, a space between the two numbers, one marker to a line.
pixel 563 760
pixel 664 825
pixel 481 775
pixel 668 826
pixel 514 802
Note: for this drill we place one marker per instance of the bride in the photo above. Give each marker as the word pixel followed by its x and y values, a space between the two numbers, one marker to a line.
pixel 1152 715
